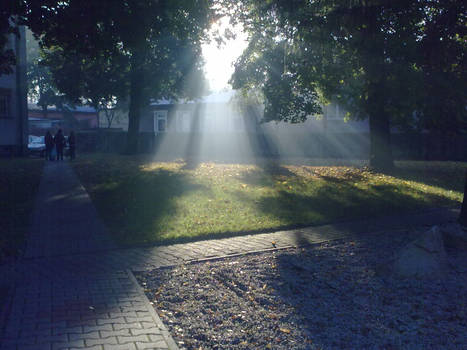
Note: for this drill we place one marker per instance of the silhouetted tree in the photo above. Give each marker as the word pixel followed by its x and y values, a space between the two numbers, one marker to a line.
pixel 369 56
pixel 159 42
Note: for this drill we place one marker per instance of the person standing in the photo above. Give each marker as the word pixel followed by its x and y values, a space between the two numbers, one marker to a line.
pixel 72 144
pixel 49 145
pixel 59 144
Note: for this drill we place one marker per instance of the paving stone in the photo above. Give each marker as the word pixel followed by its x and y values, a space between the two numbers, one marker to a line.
pixel 87 335
pixel 120 347
pixel 121 332
pixel 19 341
pixel 96 328
pixel 133 338
pixel 147 319
pixel 129 325
pixel 102 341
pixel 35 347
pixel 73 343
pixel 147 325
pixel 123 314
pixel 52 339
pixel 152 346
pixel 156 338
pixel 85 324
pixel 149 331
pixel 110 321
pixel 67 330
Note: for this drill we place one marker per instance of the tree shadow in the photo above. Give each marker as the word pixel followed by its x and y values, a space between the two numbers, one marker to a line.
pixel 193 146
pixel 334 200
pixel 446 175
pixel 141 206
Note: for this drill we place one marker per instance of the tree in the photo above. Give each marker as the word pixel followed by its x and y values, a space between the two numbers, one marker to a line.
pixel 365 55
pixel 99 81
pixel 159 39
pixel 11 15
pixel 442 59
pixel 41 88
pixel 112 111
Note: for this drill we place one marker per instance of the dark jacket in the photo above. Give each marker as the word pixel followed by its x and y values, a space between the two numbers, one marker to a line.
pixel 49 140
pixel 59 140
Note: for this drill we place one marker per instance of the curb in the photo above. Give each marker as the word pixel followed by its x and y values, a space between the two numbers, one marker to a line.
pixel 164 330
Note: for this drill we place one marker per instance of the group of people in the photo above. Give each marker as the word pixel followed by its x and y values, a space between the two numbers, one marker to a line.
pixel 54 145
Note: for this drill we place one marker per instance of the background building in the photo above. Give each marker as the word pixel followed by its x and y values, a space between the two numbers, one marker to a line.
pixel 68 118
pixel 13 101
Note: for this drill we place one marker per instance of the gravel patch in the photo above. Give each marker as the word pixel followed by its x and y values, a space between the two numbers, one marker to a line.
pixel 329 296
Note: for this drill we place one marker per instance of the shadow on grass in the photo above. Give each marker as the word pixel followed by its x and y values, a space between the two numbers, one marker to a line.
pixel 335 200
pixel 446 175
pixel 139 206
pixel 142 206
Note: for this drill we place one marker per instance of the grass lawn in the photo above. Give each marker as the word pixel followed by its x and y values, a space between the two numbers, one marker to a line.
pixel 144 201
pixel 19 181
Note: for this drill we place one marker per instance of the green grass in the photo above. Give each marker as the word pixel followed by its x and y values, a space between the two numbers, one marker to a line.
pixel 143 201
pixel 19 181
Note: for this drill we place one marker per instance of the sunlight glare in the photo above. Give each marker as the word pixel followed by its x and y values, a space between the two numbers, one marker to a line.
pixel 219 60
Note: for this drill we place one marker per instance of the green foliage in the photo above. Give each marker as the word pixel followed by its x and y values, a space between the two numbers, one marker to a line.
pixel 11 15
pixel 152 48
pixel 165 35
pixel 100 81
pixel 341 49
pixel 442 60
pixel 267 64
pixel 41 86
pixel 380 59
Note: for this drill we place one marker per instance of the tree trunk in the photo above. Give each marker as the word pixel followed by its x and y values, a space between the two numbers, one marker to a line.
pixel 136 100
pixel 463 215
pixel 380 142
pixel 44 111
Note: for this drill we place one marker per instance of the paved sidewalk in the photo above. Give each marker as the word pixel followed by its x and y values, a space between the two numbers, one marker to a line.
pixel 142 259
pixel 64 221
pixel 75 289
pixel 62 301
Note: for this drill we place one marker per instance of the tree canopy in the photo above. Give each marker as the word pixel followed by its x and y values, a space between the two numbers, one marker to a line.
pixel 12 13
pixel 150 47
pixel 369 56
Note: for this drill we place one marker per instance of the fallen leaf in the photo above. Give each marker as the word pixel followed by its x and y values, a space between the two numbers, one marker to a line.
pixel 285 330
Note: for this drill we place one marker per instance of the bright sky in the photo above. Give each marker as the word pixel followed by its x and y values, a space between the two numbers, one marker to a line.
pixel 219 61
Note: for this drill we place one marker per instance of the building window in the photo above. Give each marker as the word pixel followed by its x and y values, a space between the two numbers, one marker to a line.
pixel 160 121
pixel 5 105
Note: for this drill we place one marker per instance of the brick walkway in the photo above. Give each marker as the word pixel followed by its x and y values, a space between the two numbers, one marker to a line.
pixel 75 289
pixel 66 296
